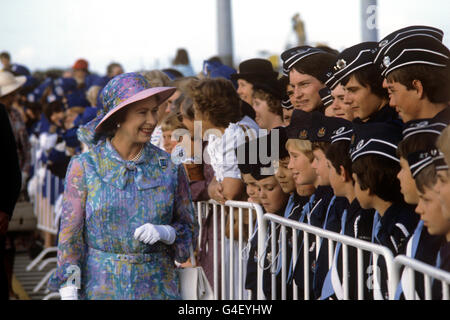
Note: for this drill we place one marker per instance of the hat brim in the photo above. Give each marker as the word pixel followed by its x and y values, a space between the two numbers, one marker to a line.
pixel 20 81
pixel 253 76
pixel 163 92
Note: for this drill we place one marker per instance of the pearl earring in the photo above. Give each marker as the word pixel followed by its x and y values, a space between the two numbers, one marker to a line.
pixel 118 125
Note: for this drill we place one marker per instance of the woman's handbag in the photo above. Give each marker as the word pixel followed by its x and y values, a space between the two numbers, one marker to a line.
pixel 194 284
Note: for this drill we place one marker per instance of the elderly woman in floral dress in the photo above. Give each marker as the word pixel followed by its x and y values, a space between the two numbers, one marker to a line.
pixel 127 209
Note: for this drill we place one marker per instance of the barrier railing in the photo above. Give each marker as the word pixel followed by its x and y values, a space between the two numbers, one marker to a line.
pixel 232 266
pixel 430 274
pixel 332 237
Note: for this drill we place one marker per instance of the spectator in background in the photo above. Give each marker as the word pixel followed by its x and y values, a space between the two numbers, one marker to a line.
pixel 251 71
pixel 114 69
pixel 158 78
pixel 267 104
pixel 80 72
pixel 9 86
pixel 182 63
pixel 14 68
pixel 10 185
pixel 169 124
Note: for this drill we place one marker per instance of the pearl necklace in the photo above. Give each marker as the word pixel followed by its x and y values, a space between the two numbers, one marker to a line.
pixel 137 156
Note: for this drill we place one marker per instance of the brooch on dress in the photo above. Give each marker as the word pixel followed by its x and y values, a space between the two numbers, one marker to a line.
pixel 163 162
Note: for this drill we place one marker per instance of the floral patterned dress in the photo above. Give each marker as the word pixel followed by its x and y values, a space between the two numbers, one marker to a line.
pixel 105 199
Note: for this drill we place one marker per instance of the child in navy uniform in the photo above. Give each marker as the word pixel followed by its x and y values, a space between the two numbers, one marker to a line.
pixel 375 167
pixel 356 222
pixel 363 84
pixel 415 65
pixel 320 137
pixel 422 246
pixel 429 206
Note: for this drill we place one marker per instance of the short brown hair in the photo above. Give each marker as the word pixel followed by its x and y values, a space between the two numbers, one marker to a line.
pixel 435 80
pixel 379 174
pixel 337 154
pixel 426 178
pixel 218 100
pixel 273 103
pixel 172 122
pixel 322 145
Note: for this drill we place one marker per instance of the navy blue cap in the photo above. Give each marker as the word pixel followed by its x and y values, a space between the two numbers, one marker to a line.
pixel 352 59
pixel 323 128
pixel 343 133
pixel 439 162
pixel 326 97
pixel 282 139
pixel 404 33
pixel 286 103
pixel 419 160
pixel 414 127
pixel 414 50
pixel 294 55
pixel 300 123
pixel 375 139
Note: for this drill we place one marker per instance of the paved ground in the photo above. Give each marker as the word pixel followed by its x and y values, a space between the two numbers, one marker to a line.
pixel 25 281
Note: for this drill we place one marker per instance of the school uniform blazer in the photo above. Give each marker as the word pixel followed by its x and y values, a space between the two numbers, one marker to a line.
pixel 397 226
pixel 427 250
pixel 333 223
pixel 315 217
pixel 386 114
pixel 358 225
pixel 444 253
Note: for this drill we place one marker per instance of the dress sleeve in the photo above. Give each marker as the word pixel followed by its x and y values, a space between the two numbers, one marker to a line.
pixel 71 241
pixel 184 219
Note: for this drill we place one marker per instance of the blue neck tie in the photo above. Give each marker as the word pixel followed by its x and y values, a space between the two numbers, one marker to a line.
pixel 438 260
pixel 306 209
pixel 289 207
pixel 376 226
pixel 416 238
pixel 328 212
pixel 287 212
pixel 327 288
pixel 415 243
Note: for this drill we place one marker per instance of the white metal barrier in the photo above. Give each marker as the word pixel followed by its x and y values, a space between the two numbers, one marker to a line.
pixel 332 237
pixel 232 280
pixel 44 212
pixel 430 274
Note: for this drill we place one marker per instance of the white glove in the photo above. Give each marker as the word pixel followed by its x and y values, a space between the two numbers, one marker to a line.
pixel 68 293
pixel 151 233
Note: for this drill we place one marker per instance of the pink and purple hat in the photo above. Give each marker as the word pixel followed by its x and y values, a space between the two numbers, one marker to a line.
pixel 120 92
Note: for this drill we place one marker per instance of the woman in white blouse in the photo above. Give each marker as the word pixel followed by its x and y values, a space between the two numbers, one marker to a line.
pixel 217 106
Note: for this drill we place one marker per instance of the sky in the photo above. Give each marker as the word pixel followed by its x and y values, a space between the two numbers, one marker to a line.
pixel 145 34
